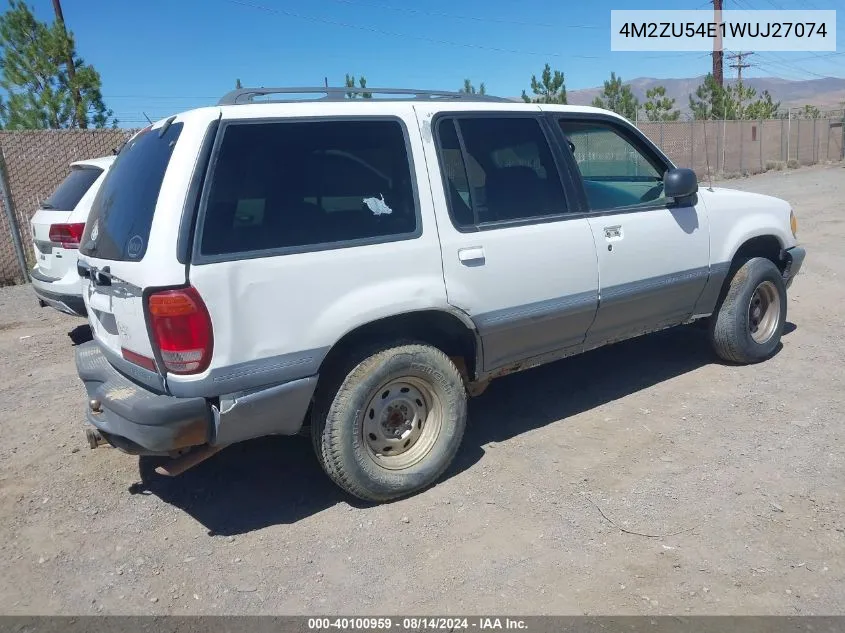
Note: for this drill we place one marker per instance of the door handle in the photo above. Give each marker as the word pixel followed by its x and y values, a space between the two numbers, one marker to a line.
pixel 613 232
pixel 473 256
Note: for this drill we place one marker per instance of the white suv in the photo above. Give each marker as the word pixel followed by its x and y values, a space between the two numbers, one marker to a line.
pixel 56 230
pixel 358 266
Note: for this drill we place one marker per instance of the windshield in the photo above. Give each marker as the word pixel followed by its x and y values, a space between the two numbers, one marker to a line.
pixel 122 213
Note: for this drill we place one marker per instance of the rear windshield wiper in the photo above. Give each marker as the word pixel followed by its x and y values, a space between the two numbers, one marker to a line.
pixel 47 205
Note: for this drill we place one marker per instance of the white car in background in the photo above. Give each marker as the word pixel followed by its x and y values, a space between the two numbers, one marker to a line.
pixel 56 230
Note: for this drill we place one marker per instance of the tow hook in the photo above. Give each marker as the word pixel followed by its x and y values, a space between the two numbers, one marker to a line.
pixel 94 438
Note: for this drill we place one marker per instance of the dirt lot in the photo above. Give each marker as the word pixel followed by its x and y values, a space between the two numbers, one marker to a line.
pixel 742 468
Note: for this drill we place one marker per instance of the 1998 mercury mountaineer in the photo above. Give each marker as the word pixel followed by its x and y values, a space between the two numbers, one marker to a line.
pixel 359 266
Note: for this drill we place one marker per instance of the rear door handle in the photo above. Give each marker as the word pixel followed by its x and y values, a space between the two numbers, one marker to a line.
pixel 613 232
pixel 473 256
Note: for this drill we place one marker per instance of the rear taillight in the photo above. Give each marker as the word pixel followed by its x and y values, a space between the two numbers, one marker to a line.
pixel 68 235
pixel 181 329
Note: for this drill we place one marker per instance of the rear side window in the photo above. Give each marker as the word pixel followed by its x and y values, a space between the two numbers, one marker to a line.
pixel 73 187
pixel 308 185
pixel 119 224
pixel 498 170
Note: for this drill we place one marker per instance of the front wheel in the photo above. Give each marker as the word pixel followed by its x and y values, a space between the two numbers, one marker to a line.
pixel 394 423
pixel 748 324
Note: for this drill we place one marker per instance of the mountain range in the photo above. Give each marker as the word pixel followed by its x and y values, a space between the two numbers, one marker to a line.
pixel 824 93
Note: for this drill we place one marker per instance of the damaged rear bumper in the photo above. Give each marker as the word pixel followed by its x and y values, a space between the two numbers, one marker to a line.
pixel 135 419
pixel 141 421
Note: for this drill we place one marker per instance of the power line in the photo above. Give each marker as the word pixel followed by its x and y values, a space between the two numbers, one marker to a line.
pixel 779 60
pixel 369 29
pixel 453 16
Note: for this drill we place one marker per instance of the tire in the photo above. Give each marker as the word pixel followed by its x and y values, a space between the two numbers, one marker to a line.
pixel 390 424
pixel 743 333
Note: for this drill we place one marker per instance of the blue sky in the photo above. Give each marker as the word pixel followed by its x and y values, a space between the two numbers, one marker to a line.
pixel 161 57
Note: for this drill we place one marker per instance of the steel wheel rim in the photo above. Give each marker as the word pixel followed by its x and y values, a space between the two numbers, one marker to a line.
pixel 401 423
pixel 764 312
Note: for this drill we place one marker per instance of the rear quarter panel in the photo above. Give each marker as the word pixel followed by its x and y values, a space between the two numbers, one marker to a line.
pixel 275 317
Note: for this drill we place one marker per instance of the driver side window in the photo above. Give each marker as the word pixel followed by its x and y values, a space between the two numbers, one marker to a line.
pixel 616 173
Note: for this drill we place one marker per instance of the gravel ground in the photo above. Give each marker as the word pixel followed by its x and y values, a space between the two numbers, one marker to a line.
pixel 737 472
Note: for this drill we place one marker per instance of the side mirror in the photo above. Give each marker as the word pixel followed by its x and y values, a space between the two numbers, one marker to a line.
pixel 679 183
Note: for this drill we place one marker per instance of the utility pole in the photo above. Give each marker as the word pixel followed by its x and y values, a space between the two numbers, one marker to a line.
pixel 81 116
pixel 739 65
pixel 717 44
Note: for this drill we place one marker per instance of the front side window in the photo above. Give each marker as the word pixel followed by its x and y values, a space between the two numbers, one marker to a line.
pixel 294 184
pixel 503 171
pixel 616 172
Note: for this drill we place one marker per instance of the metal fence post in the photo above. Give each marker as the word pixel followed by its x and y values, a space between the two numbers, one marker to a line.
pixel 827 146
pixel 842 143
pixel 692 145
pixel 14 229
pixel 661 136
pixel 740 147
pixel 798 142
pixel 781 140
pixel 718 150
pixel 761 146
pixel 815 141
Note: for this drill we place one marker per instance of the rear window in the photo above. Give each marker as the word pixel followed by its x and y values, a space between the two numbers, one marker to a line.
pixel 70 192
pixel 307 186
pixel 119 224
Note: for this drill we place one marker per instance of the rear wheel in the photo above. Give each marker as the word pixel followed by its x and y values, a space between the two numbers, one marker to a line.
pixel 748 324
pixel 391 423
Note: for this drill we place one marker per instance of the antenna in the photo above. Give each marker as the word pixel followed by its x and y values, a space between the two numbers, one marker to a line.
pixel 147 118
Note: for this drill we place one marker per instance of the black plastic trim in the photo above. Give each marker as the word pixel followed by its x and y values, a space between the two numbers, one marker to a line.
pixel 73 302
pixel 184 242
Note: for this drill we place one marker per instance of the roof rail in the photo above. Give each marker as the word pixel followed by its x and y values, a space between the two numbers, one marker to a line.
pixel 248 95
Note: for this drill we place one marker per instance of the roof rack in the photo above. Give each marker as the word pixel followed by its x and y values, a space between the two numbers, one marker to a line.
pixel 248 95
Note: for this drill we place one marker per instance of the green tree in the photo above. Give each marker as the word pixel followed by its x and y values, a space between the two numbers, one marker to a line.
pixel 35 60
pixel 470 89
pixel 362 83
pixel 760 108
pixel 659 107
pixel 710 101
pixel 810 112
pixel 550 89
pixel 617 97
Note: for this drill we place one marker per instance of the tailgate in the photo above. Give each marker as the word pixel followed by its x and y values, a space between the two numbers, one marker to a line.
pixel 119 258
pixel 43 245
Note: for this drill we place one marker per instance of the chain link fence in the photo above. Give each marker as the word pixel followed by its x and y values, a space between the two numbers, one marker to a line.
pixel 37 160
pixel 733 148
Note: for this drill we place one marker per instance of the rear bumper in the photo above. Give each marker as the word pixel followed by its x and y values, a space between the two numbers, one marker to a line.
pixel 134 418
pixel 65 294
pixel 143 422
pixel 794 259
